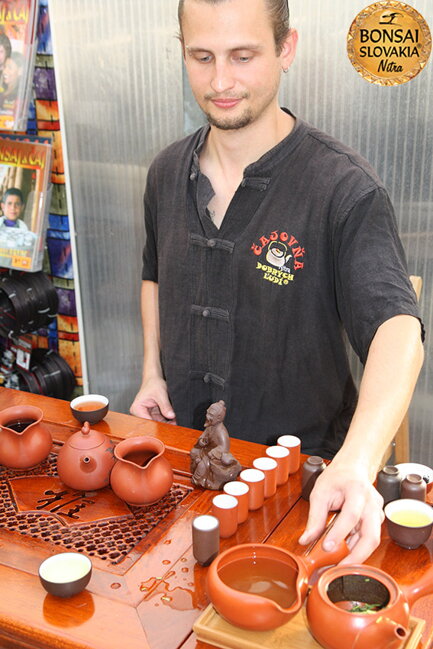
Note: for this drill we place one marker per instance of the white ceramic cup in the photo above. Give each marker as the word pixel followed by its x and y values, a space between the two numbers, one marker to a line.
pixel 255 479
pixel 239 490
pixel 269 468
pixel 281 455
pixel 225 509
pixel 293 443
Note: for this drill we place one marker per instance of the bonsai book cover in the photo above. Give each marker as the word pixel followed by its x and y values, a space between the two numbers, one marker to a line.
pixel 17 59
pixel 25 181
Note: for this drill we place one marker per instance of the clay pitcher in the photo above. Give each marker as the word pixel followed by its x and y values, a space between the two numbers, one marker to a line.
pixel 85 460
pixel 24 439
pixel 142 474
pixel 366 605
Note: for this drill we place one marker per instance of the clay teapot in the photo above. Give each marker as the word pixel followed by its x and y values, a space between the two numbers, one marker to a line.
pixel 85 460
pixel 259 587
pixel 365 604
pixel 142 474
pixel 24 439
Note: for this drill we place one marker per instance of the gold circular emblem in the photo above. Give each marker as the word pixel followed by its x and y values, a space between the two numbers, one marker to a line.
pixel 389 43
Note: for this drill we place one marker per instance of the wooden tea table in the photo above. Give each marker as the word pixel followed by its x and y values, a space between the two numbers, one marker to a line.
pixel 146 589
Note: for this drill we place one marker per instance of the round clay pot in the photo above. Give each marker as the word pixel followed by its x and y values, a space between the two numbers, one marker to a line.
pixel 24 440
pixel 142 474
pixel 85 461
pixel 365 604
pixel 259 587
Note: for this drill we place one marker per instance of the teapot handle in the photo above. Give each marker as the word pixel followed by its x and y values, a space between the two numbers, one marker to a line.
pixel 318 557
pixel 422 586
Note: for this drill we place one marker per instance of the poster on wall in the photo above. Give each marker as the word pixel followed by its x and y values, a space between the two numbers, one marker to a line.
pixel 25 171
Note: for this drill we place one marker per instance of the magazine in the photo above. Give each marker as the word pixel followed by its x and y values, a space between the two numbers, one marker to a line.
pixel 17 59
pixel 25 187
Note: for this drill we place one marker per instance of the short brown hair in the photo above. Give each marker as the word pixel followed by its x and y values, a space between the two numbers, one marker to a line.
pixel 278 11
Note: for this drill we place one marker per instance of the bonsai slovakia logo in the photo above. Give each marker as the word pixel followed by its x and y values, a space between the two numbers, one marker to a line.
pixel 389 43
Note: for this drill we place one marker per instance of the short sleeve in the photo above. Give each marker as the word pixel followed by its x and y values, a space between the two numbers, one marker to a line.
pixel 372 281
pixel 150 257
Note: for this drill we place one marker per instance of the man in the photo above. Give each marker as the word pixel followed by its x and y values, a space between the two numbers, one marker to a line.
pixel 228 314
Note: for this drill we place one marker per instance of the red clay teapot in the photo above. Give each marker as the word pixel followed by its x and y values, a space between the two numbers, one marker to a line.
pixel 259 587
pixel 24 439
pixel 85 460
pixel 365 604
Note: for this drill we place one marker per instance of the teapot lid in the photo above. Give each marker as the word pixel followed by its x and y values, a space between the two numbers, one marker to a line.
pixel 86 438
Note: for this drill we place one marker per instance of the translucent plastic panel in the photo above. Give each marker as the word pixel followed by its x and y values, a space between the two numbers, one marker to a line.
pixel 119 73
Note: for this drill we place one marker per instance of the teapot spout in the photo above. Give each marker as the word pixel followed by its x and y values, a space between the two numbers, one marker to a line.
pixel 384 633
pixel 87 463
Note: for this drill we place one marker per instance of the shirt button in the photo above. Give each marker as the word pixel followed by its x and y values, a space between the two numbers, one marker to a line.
pixel 211 243
pixel 193 175
pixel 207 378
pixel 206 313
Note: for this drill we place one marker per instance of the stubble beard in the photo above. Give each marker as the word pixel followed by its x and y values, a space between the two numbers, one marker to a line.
pixel 247 117
pixel 231 124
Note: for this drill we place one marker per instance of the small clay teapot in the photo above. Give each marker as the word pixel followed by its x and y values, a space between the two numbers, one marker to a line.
pixel 365 604
pixel 85 461
pixel 24 439
pixel 142 474
pixel 259 587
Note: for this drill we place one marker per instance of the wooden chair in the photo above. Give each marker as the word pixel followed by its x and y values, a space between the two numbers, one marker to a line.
pixel 400 446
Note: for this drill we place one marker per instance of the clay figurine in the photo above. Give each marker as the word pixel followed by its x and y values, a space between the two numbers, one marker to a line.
pixel 212 464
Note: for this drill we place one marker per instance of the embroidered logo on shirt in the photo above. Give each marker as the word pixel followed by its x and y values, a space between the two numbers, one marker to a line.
pixel 280 255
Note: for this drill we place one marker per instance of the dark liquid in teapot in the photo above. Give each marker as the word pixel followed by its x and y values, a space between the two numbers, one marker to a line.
pixel 264 577
pixel 19 425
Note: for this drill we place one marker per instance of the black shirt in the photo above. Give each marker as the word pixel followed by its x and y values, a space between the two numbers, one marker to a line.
pixel 254 312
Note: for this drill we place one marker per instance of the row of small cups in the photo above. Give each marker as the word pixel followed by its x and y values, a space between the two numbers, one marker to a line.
pixel 256 484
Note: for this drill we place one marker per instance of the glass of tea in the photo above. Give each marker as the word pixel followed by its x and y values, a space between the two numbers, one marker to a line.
pixel 409 522
pixel 89 407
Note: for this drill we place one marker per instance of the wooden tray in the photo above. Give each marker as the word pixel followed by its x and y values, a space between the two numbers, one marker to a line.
pixel 211 628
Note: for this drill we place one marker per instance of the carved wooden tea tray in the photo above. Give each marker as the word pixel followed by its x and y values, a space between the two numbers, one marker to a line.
pixel 213 629
pixel 146 589
pixel 35 503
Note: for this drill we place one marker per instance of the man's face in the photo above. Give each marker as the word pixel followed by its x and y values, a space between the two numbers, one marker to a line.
pixel 231 60
pixel 12 207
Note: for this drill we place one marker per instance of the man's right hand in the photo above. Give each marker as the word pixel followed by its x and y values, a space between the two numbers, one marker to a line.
pixel 152 402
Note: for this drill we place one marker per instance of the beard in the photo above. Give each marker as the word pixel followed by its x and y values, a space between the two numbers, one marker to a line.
pixel 231 124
